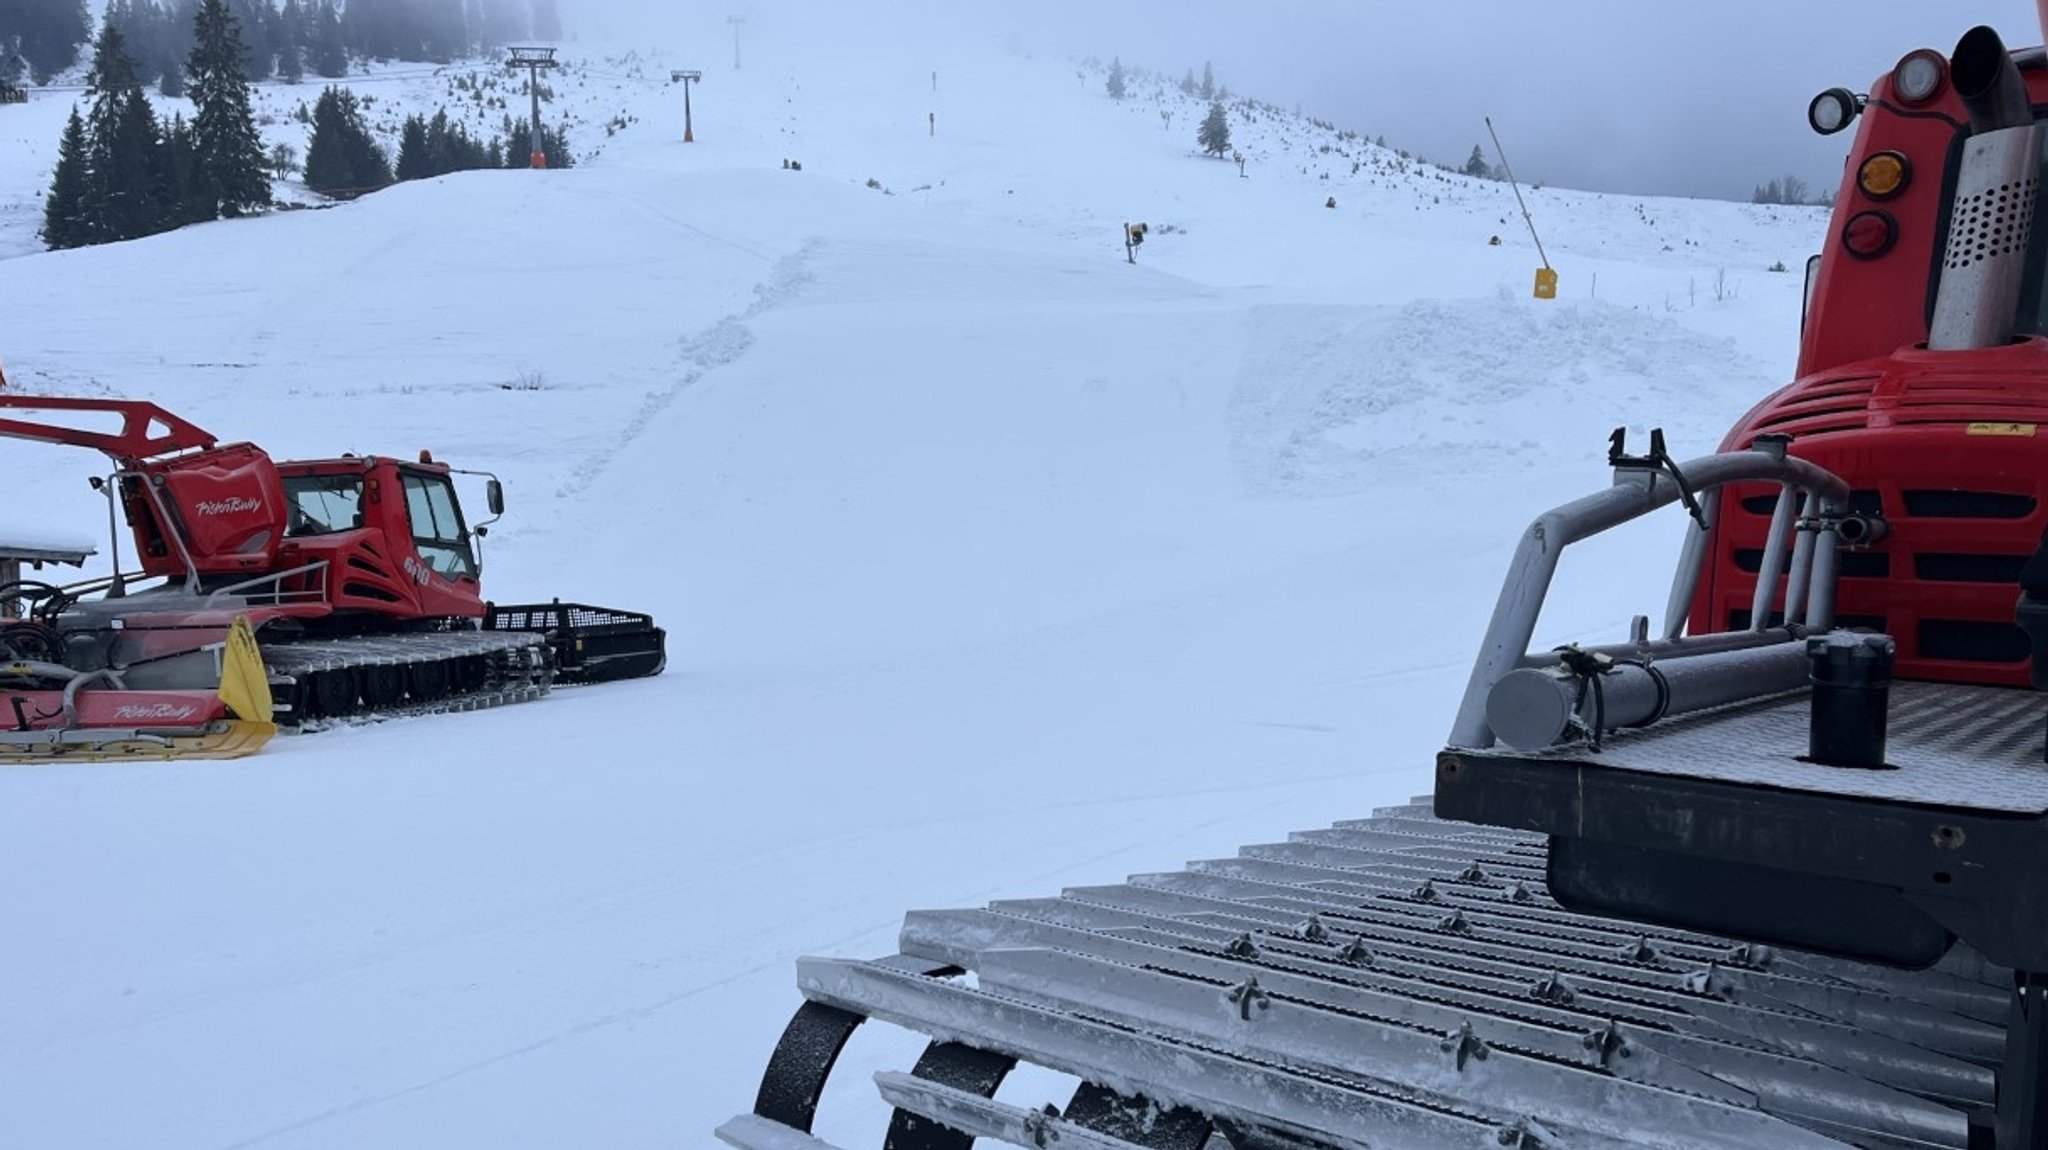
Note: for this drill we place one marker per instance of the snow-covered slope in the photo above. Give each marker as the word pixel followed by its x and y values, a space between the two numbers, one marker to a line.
pixel 991 563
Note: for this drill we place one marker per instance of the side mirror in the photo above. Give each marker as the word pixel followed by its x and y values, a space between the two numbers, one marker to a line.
pixel 494 497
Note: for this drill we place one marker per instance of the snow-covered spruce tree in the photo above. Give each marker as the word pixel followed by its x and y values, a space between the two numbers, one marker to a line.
pixel 185 198
pixel 1115 84
pixel 227 150
pixel 412 150
pixel 120 144
pixel 64 208
pixel 291 42
pixel 341 156
pixel 554 144
pixel 1208 88
pixel 1214 136
pixel 47 33
pixel 1476 164
pixel 326 49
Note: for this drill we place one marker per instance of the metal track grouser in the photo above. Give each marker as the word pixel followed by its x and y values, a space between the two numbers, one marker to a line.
pixel 1767 877
pixel 358 578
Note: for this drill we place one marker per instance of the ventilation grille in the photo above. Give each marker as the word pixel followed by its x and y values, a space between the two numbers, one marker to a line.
pixel 1833 405
pixel 1968 505
pixel 1848 564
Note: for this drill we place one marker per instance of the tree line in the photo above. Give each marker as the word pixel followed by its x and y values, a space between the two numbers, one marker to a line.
pixel 287 39
pixel 345 159
pixel 123 172
pixel 1789 190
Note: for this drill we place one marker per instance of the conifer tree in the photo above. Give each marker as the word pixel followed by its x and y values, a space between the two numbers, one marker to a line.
pixel 412 150
pixel 121 141
pixel 519 145
pixel 255 23
pixel 1214 136
pixel 1208 88
pixel 1187 83
pixel 1115 84
pixel 326 48
pixel 175 43
pixel 341 156
pixel 184 196
pixel 1476 165
pixel 228 152
pixel 64 208
pixel 291 42
pixel 46 33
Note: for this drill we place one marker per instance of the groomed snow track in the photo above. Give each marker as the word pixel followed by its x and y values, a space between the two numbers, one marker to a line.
pixel 1392 983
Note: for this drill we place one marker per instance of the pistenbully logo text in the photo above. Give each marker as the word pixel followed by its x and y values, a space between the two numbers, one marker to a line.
pixel 140 712
pixel 233 505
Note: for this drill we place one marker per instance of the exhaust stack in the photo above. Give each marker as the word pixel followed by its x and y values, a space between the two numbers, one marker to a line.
pixel 1992 216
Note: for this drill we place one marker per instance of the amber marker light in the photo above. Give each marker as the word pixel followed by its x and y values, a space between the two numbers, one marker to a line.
pixel 1884 175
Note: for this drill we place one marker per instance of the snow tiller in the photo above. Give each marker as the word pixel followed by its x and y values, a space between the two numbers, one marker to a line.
pixel 358 578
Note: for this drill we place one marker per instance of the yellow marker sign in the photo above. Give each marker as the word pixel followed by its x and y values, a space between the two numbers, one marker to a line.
pixel 2022 430
pixel 1546 283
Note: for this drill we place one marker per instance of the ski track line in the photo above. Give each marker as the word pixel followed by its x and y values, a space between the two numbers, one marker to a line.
pixel 602 1022
pixel 720 345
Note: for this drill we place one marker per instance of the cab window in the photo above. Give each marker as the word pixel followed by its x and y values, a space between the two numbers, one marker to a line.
pixel 322 504
pixel 437 530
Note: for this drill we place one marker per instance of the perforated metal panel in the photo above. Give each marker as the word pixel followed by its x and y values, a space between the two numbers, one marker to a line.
pixel 1976 304
pixel 1992 223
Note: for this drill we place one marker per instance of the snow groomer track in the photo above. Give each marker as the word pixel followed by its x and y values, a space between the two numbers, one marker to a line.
pixel 1401 980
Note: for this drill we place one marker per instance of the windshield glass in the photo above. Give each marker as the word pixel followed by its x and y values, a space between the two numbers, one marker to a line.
pixel 322 504
pixel 437 525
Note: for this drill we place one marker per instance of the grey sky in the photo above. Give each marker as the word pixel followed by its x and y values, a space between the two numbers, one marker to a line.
pixel 1622 95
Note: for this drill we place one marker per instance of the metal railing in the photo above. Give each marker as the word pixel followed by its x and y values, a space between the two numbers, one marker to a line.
pixel 1532 699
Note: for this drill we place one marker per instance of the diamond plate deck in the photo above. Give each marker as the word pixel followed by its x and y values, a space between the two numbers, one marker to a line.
pixel 1976 748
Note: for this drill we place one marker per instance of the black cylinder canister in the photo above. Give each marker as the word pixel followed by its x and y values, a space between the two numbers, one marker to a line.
pixel 1851 673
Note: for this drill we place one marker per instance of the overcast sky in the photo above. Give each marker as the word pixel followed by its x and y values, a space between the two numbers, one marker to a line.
pixel 1621 95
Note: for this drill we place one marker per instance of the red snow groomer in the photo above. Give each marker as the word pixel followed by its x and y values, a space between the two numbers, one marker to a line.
pixel 358 576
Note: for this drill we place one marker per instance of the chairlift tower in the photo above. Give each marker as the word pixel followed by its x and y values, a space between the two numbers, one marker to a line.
pixel 534 60
pixel 735 21
pixel 688 78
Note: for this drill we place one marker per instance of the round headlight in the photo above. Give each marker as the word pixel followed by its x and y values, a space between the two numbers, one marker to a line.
pixel 1919 76
pixel 1832 110
pixel 1884 175
pixel 1869 235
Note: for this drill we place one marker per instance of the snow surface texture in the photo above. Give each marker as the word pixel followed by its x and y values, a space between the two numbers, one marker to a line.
pixel 991 563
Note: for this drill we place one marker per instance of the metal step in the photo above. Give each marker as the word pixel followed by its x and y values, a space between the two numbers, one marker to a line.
pixel 1399 982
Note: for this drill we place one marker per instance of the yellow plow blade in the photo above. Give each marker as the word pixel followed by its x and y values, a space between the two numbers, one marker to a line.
pixel 244 684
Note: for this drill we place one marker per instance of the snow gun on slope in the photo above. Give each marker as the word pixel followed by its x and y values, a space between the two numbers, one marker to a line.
pixel 358 577
pixel 1768 877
